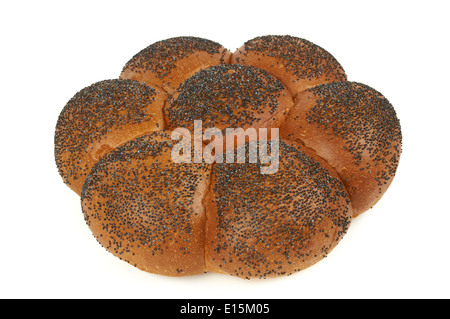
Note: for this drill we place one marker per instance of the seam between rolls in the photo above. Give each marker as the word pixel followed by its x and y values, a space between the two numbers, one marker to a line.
pixel 208 186
pixel 158 87
pixel 164 122
pixel 204 199
pixel 300 141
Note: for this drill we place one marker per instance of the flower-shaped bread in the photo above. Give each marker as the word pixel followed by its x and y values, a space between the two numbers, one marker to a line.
pixel 151 198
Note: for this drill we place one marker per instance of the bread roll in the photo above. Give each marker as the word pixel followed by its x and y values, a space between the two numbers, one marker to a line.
pixel 296 62
pixel 99 118
pixel 356 130
pixel 229 96
pixel 146 209
pixel 168 63
pixel 268 225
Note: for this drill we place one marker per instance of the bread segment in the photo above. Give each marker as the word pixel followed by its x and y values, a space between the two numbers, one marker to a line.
pixel 100 118
pixel 355 129
pixel 147 210
pixel 298 63
pixel 169 62
pixel 262 226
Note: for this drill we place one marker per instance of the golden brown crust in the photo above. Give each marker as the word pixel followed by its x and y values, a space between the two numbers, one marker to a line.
pixel 296 62
pixel 147 210
pixel 356 130
pixel 168 63
pixel 261 226
pixel 99 118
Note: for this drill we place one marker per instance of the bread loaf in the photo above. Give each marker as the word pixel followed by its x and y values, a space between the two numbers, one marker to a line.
pixel 152 198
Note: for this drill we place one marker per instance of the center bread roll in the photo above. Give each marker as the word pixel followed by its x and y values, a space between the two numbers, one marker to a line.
pixel 229 96
pixel 298 63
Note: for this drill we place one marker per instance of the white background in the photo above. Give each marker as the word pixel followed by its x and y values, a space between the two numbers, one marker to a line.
pixel 51 50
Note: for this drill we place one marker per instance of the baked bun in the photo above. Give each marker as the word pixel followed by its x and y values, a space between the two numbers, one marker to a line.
pixel 168 63
pixel 298 63
pixel 229 96
pixel 146 209
pixel 99 118
pixel 268 225
pixel 356 130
